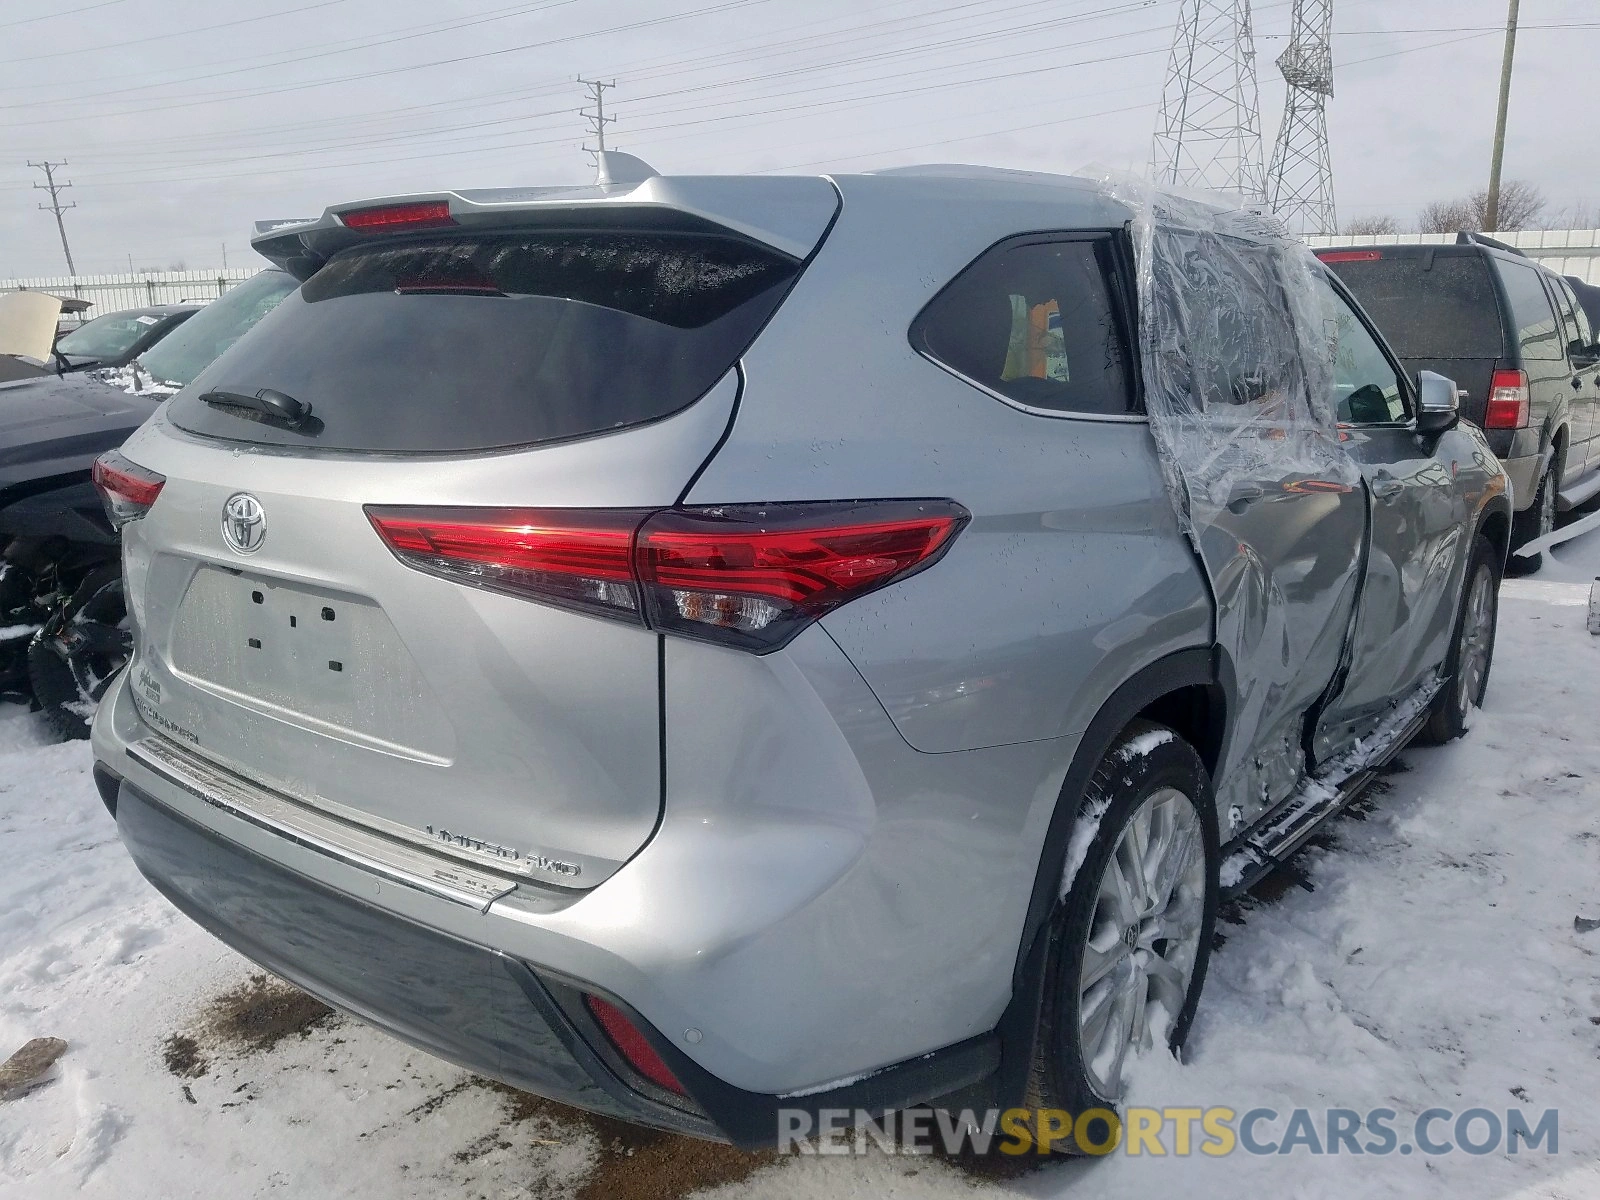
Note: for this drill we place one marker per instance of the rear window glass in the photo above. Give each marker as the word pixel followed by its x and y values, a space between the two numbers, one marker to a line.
pixel 469 343
pixel 1537 332
pixel 1432 305
pixel 1034 322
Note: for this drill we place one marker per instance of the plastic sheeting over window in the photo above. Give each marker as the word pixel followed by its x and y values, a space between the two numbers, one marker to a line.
pixel 1236 358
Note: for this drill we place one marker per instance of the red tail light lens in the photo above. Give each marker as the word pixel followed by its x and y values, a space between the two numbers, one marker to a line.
pixel 631 1044
pixel 572 558
pixel 1508 406
pixel 1339 256
pixel 127 489
pixel 755 576
pixel 745 576
pixel 420 214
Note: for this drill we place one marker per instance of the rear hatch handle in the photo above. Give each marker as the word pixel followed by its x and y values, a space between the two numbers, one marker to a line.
pixel 266 405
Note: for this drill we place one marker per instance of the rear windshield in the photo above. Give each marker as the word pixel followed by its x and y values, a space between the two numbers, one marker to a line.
pixel 1429 305
pixel 470 343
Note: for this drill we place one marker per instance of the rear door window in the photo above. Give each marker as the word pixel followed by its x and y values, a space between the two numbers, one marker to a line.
pixel 1537 332
pixel 1574 320
pixel 1035 322
pixel 1430 304
pixel 456 343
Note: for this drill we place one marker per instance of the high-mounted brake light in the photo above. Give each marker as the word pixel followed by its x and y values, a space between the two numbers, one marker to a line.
pixel 1338 256
pixel 126 489
pixel 420 214
pixel 1508 406
pixel 749 576
pixel 633 1045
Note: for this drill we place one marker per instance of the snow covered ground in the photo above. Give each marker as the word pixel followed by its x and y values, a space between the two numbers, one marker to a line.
pixel 1434 962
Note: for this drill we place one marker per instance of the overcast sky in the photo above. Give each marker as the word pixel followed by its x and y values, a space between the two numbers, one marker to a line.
pixel 185 120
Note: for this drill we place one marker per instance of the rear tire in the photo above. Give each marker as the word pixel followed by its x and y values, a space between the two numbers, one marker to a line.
pixel 1130 941
pixel 1466 668
pixel 1538 520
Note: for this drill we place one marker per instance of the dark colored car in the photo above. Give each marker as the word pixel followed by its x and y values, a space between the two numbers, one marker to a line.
pixel 118 338
pixel 1515 338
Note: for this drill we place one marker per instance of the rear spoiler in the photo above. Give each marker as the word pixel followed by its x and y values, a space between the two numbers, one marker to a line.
pixel 789 214
pixel 1483 239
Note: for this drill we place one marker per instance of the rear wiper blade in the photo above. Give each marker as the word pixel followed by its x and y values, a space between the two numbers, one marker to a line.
pixel 266 405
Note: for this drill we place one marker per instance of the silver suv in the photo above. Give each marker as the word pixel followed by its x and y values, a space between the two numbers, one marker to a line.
pixel 695 647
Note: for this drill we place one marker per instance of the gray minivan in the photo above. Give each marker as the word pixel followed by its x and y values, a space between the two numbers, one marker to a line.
pixel 1513 335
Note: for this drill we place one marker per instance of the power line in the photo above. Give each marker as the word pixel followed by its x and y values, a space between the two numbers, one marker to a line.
pixel 71 12
pixel 161 37
pixel 55 189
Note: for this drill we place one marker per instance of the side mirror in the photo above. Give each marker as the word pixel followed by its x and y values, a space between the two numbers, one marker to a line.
pixel 1439 405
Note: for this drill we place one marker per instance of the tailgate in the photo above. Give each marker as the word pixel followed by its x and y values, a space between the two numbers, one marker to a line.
pixel 507 733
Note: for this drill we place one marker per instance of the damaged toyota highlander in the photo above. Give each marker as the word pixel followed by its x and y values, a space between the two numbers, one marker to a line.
pixel 692 647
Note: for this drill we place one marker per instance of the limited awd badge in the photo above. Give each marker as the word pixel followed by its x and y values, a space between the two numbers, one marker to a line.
pixel 244 523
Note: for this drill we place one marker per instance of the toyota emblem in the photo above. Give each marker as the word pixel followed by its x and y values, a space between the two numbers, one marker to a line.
pixel 244 523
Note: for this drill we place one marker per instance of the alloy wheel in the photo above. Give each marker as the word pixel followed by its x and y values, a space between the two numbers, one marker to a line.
pixel 1143 937
pixel 1477 638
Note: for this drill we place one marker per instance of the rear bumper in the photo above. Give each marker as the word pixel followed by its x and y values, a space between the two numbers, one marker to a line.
pixel 470 1005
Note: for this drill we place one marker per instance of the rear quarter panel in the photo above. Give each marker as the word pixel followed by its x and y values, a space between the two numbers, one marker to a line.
pixel 1073 573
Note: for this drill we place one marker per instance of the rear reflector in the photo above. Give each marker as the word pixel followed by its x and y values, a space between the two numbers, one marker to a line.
pixel 748 576
pixel 631 1044
pixel 421 214
pixel 1339 256
pixel 127 489
pixel 1508 406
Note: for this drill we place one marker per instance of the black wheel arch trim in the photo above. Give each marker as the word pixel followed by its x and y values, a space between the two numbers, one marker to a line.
pixel 1203 666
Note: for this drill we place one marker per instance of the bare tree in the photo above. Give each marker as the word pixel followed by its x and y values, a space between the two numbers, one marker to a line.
pixel 1582 215
pixel 1521 205
pixel 1372 226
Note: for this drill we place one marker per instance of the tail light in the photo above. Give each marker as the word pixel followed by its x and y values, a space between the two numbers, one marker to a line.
pixel 746 576
pixel 632 1045
pixel 1508 406
pixel 1339 256
pixel 127 489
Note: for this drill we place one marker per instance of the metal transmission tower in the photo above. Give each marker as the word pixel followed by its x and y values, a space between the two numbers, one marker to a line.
pixel 1209 132
pixel 55 206
pixel 597 118
pixel 1300 180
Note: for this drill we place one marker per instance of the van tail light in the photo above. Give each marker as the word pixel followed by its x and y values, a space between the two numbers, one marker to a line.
pixel 747 576
pixel 632 1044
pixel 1508 406
pixel 126 489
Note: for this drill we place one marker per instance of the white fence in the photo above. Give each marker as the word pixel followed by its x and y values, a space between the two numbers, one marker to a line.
pixel 109 293
pixel 1573 252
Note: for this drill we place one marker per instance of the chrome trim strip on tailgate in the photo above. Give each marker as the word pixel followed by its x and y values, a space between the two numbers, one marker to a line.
pixel 367 851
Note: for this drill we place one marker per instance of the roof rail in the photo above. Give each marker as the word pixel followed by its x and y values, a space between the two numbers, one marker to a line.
pixel 1483 239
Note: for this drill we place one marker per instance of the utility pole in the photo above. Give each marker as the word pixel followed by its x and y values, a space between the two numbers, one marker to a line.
pixel 1491 216
pixel 55 189
pixel 597 119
